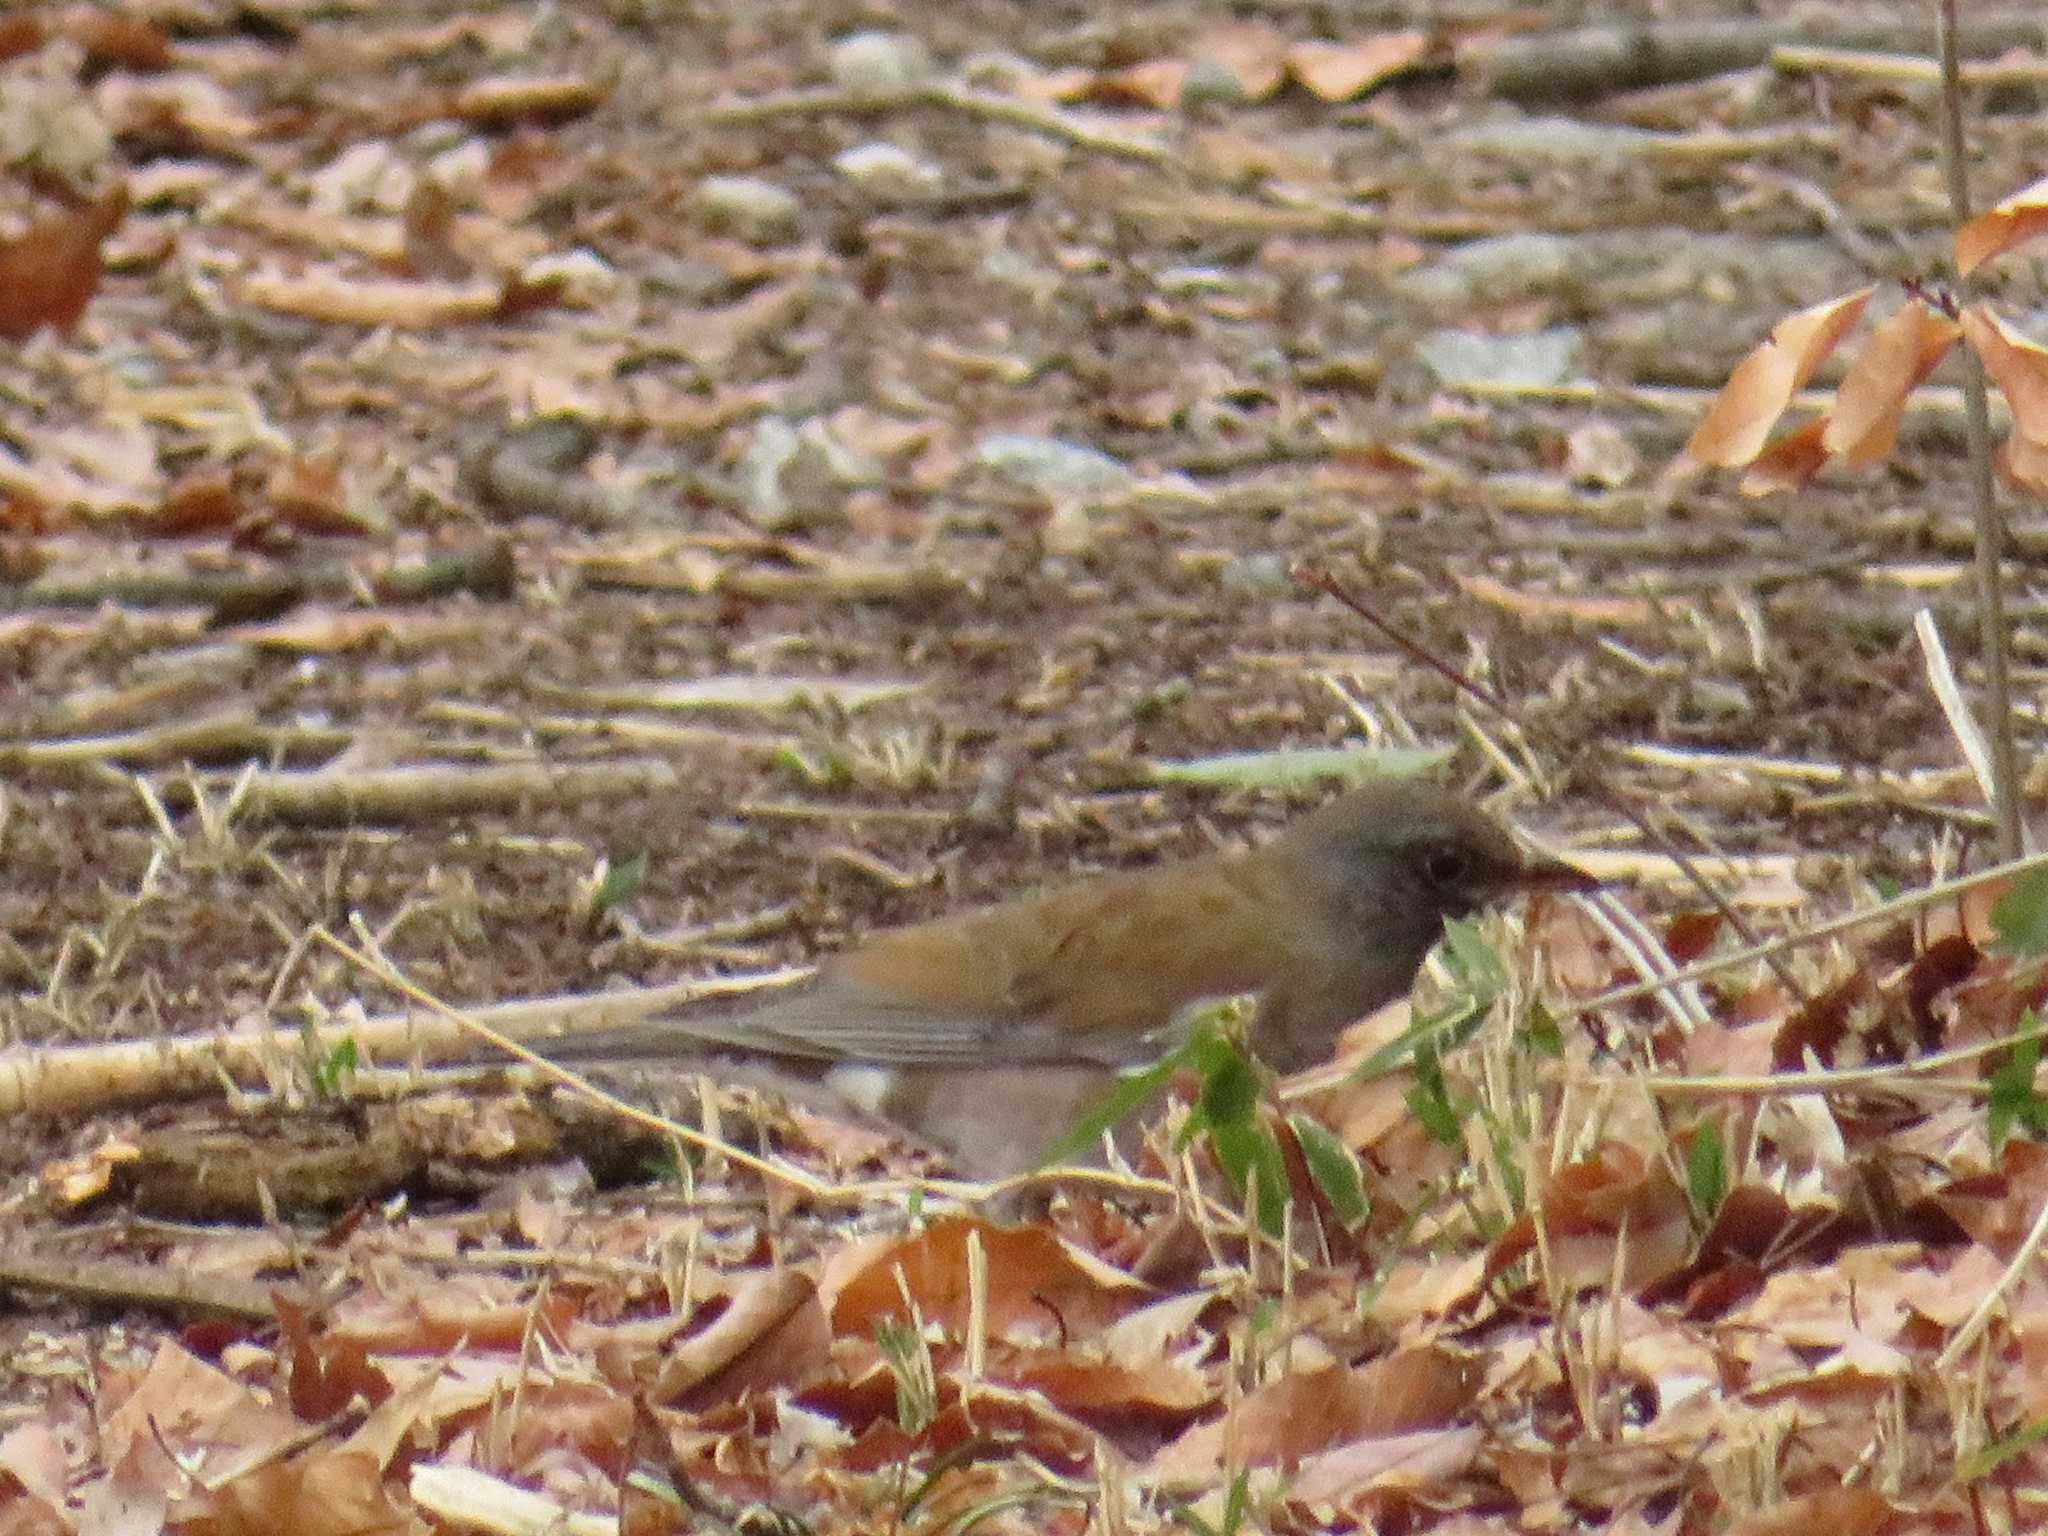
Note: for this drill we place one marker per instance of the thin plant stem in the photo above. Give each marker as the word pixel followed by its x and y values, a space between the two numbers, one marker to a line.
pixel 2005 805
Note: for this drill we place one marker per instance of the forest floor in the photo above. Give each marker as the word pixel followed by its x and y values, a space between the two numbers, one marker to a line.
pixel 580 497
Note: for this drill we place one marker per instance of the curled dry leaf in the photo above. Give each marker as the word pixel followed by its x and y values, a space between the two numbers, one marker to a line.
pixel 1033 1278
pixel 320 1493
pixel 1295 1417
pixel 1739 422
pixel 2019 367
pixel 2003 227
pixel 1615 1197
pixel 1863 425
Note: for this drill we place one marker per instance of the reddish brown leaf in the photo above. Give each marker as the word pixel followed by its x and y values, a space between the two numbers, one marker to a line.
pixel 121 42
pixel 1690 935
pixel 50 274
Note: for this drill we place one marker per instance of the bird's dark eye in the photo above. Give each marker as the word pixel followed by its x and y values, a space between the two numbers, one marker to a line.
pixel 1446 866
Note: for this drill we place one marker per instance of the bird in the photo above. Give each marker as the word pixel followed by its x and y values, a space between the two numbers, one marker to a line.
pixel 980 1030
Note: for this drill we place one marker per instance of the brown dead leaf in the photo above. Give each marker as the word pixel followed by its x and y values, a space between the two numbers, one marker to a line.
pixel 778 1302
pixel 1757 393
pixel 49 274
pixel 1836 1511
pixel 324 1375
pixel 201 503
pixel 184 1407
pixel 1102 1392
pixel 120 42
pixel 1297 1416
pixel 1033 1279
pixel 1616 1197
pixel 1425 1457
pixel 321 1493
pixel 20 35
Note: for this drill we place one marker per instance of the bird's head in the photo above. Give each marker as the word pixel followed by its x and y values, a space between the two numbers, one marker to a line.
pixel 1399 857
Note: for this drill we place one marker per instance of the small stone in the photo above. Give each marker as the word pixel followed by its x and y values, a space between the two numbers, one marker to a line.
pixel 877 63
pixel 886 173
pixel 756 211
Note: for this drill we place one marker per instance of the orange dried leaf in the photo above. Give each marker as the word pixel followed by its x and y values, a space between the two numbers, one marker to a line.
pixel 2003 227
pixel 1340 71
pixel 1032 1276
pixel 1739 422
pixel 2025 462
pixel 322 1493
pixel 2017 365
pixel 1863 426
pixel 202 502
pixel 20 35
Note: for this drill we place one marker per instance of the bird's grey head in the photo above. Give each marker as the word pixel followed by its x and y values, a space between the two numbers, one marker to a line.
pixel 1391 861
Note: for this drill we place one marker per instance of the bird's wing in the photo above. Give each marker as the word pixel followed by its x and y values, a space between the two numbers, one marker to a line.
pixel 842 1018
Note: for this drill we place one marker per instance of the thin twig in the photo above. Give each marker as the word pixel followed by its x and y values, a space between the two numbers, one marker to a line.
pixel 1909 902
pixel 2005 804
pixel 1324 582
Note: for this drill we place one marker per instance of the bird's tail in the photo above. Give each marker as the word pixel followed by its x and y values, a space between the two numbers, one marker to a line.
pixel 621 1042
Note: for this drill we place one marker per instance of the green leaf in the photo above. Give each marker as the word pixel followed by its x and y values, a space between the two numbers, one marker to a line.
pixel 2020 917
pixel 335 1068
pixel 1245 1150
pixel 1541 1034
pixel 1435 1032
pixel 1706 1170
pixel 2013 1100
pixel 1471 959
pixel 1995 1455
pixel 1332 1166
pixel 1229 1094
pixel 1235 1501
pixel 620 883
pixel 1132 1091
pixel 1429 1101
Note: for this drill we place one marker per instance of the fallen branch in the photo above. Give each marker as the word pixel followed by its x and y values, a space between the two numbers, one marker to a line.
pixel 69 1081
pixel 423 792
pixel 488 571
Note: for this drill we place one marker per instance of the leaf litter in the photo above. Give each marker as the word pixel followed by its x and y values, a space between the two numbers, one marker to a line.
pixel 290 294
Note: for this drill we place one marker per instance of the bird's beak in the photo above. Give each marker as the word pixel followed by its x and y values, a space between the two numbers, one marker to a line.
pixel 1543 872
